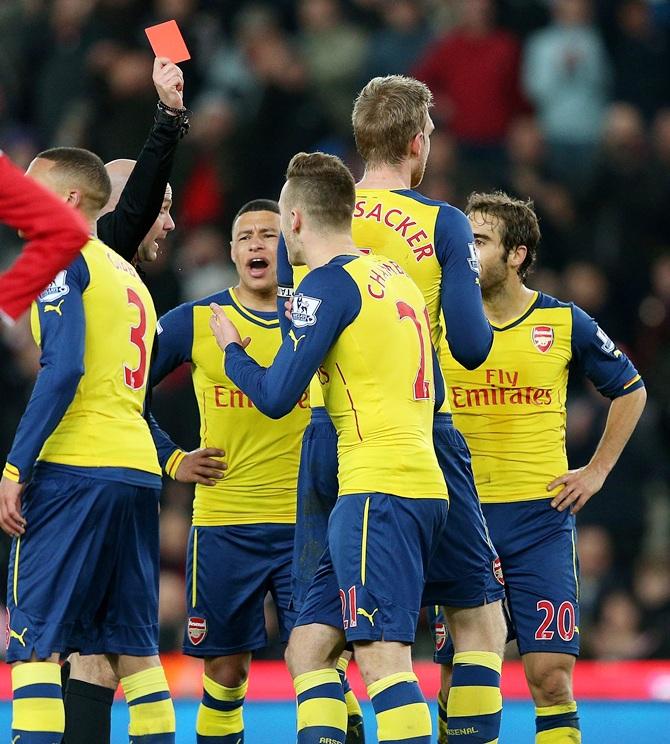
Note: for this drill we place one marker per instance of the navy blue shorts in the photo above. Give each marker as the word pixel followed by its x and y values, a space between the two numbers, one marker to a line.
pixel 317 496
pixel 229 571
pixel 379 549
pixel 84 576
pixel 465 571
pixel 538 552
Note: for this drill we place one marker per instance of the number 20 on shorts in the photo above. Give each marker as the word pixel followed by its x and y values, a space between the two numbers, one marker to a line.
pixel 564 617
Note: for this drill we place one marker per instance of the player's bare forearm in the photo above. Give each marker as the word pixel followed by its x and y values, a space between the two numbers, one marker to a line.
pixel 622 419
pixel 579 485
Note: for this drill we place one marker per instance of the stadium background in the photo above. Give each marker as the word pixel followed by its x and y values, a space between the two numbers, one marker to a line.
pixel 588 139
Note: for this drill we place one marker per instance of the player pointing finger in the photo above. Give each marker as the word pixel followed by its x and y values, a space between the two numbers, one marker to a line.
pixel 224 330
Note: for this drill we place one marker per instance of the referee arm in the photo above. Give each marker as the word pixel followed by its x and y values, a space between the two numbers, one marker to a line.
pixel 124 228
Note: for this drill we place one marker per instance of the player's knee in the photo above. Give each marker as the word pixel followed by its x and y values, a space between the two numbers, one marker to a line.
pixel 96 670
pixel 480 628
pixel 298 660
pixel 290 659
pixel 379 659
pixel 499 625
pixel 494 627
pixel 229 671
pixel 309 649
pixel 550 682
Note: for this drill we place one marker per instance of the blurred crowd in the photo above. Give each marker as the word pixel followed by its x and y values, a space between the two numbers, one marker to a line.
pixel 563 101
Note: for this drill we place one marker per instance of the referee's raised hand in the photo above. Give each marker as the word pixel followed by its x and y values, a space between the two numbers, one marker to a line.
pixel 169 82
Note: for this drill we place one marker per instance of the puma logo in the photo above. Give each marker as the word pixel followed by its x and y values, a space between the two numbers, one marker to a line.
pixel 365 613
pixel 54 308
pixel 295 340
pixel 19 638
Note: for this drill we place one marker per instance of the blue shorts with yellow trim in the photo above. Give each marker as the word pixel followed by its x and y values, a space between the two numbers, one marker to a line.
pixel 84 576
pixel 465 571
pixel 317 496
pixel 379 549
pixel 229 571
pixel 538 552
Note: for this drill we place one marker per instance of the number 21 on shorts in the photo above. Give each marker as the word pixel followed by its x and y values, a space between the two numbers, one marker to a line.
pixel 349 609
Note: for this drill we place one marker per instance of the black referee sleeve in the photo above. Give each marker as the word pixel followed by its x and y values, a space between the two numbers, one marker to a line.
pixel 124 228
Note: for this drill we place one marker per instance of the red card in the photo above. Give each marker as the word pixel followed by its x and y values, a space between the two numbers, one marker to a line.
pixel 166 41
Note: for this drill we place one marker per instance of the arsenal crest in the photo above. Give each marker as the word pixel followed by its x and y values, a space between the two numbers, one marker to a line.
pixel 498 572
pixel 543 338
pixel 440 636
pixel 197 630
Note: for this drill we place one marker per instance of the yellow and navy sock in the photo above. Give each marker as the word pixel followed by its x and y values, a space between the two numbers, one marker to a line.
pixel 442 725
pixel 557 724
pixel 38 716
pixel 322 712
pixel 220 719
pixel 402 714
pixel 152 719
pixel 355 732
pixel 474 706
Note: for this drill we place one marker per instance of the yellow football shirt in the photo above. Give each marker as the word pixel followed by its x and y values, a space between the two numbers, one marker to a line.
pixel 95 323
pixel 361 324
pixel 262 455
pixel 512 409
